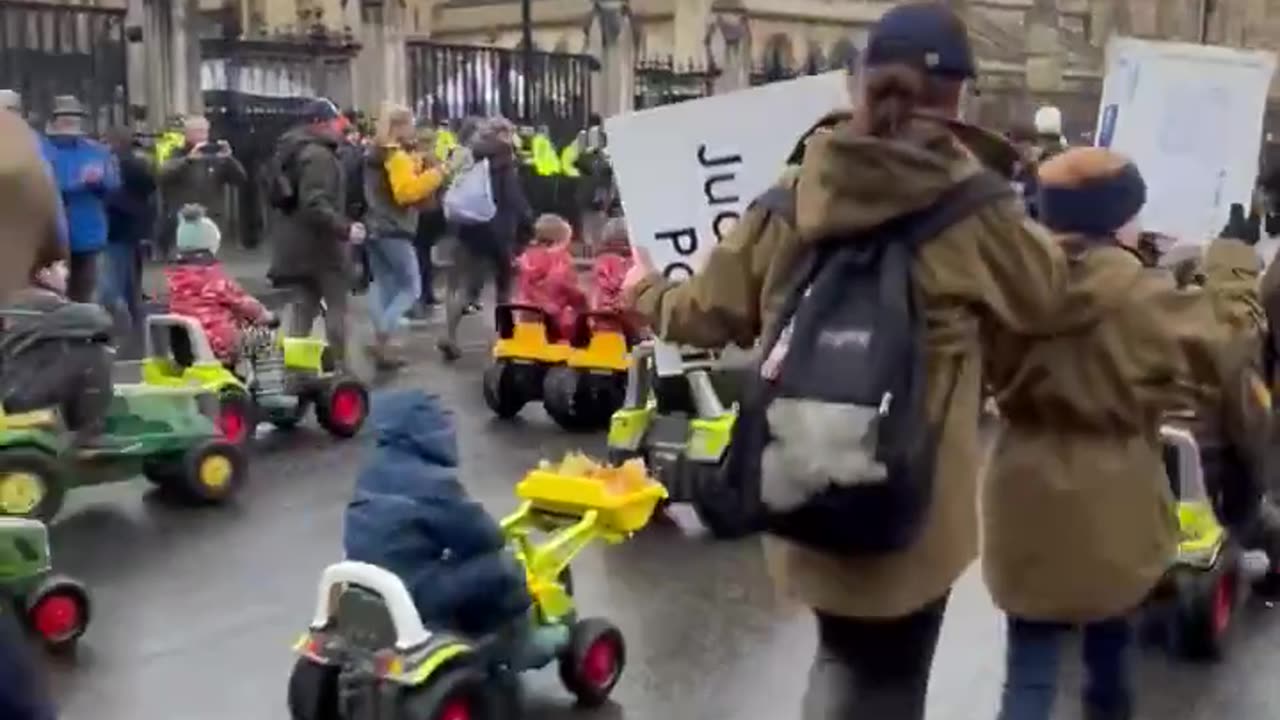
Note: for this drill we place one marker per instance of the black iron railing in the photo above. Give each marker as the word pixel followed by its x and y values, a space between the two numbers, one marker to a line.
pixel 50 50
pixel 450 82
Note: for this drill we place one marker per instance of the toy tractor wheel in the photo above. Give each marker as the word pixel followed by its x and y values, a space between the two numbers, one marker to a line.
pixel 31 484
pixel 562 399
pixel 723 510
pixel 236 419
pixel 456 692
pixel 342 409
pixel 213 471
pixel 313 691
pixel 593 662
pixel 58 612
pixel 1206 607
pixel 501 391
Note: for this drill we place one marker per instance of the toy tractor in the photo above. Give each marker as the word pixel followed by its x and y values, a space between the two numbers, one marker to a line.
pixel 523 353
pixel 277 380
pixel 581 380
pixel 367 653
pixel 166 434
pixel 1212 575
pixel 53 607
pixel 680 427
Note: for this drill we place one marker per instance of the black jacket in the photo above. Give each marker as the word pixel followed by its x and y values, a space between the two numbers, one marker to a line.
pixel 129 208
pixel 510 226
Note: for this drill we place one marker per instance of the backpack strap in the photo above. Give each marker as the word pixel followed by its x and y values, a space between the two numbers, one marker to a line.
pixel 963 199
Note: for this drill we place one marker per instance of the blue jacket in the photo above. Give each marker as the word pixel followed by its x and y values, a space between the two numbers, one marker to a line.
pixel 410 515
pixel 69 156
pixel 23 694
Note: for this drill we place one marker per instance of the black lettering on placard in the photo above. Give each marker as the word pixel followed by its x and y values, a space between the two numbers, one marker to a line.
pixel 716 162
pixel 724 224
pixel 677 271
pixel 690 236
pixel 709 189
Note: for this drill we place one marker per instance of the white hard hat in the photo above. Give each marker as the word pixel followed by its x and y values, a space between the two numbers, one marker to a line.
pixel 1048 121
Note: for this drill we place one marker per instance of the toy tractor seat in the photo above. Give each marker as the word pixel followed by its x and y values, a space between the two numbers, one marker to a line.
pixel 178 342
pixel 535 340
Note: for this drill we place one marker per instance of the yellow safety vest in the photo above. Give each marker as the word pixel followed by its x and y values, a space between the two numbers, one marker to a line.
pixel 167 144
pixel 569 160
pixel 546 162
pixel 446 141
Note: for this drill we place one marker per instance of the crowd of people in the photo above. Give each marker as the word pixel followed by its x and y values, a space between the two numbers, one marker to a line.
pixel 1011 267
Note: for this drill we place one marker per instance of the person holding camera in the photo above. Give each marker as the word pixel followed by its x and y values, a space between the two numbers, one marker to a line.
pixel 198 173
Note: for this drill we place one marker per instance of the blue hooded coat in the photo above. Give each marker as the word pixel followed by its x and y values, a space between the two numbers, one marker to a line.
pixel 410 515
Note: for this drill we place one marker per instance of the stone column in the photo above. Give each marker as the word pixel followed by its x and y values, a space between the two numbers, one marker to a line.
pixel 611 39
pixel 729 47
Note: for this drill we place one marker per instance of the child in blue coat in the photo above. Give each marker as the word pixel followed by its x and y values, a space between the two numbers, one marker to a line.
pixel 410 515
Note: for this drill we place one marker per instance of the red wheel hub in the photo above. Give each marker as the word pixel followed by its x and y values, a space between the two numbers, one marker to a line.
pixel 456 710
pixel 1223 603
pixel 56 617
pixel 600 663
pixel 346 407
pixel 231 423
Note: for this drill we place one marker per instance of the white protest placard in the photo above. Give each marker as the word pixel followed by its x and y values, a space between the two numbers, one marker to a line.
pixel 1191 117
pixel 686 172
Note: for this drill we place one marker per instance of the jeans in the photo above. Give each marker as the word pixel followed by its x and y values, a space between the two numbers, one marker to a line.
pixel 396 281
pixel 1031 669
pixel 331 288
pixel 120 283
pixel 873 668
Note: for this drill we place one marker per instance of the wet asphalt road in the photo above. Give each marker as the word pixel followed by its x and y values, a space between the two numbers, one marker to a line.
pixel 195 610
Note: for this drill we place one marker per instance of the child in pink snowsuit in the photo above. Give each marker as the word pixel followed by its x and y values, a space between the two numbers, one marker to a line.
pixel 199 287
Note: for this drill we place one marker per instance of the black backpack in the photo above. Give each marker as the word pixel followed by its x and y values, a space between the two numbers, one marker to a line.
pixel 281 186
pixel 836 450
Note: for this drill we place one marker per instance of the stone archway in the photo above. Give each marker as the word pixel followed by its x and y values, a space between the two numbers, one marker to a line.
pixel 777 60
pixel 844 55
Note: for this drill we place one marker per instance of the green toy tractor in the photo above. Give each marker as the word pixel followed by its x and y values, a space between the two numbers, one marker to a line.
pixel 278 379
pixel 677 423
pixel 166 434
pixel 53 607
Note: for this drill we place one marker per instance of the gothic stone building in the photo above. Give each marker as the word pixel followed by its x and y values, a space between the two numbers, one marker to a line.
pixel 1031 51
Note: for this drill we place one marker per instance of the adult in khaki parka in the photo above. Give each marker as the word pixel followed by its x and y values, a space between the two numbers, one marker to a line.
pixel 1078 522
pixel 990 273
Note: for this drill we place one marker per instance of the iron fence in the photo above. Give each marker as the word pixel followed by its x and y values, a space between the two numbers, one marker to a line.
pixel 450 82
pixel 50 50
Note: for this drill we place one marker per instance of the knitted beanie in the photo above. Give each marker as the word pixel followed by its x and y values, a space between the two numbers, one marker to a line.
pixel 196 231
pixel 1090 191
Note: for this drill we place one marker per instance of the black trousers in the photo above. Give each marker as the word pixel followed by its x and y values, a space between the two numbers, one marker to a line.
pixel 82 276
pixel 873 669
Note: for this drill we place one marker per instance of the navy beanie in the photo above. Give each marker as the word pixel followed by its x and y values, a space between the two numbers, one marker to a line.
pixel 1098 207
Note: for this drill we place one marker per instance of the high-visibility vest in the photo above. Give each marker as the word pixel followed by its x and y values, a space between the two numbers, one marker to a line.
pixel 166 144
pixel 446 141
pixel 546 162
pixel 569 160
